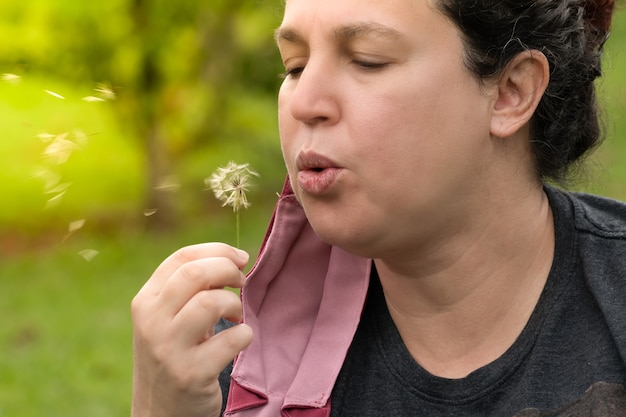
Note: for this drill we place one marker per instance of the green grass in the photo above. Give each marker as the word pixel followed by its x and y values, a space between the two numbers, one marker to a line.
pixel 66 331
pixel 65 339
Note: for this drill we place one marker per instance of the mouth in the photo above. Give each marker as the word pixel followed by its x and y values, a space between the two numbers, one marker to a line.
pixel 316 173
pixel 314 162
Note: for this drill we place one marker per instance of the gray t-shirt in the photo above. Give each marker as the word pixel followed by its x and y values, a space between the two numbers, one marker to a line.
pixel 568 361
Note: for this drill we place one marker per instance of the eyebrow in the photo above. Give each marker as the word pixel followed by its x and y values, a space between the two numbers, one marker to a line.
pixel 344 33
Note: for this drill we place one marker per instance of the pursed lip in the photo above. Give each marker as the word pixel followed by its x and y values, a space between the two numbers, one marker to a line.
pixel 317 174
pixel 313 161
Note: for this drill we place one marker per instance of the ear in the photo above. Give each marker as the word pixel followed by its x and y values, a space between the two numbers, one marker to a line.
pixel 519 90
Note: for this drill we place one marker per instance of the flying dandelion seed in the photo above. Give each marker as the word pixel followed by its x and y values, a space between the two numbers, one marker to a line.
pixel 46 137
pixel 53 94
pixel 169 186
pixel 58 189
pixel 50 179
pixel 230 184
pixel 105 92
pixel 73 228
pixel 11 78
pixel 80 138
pixel 76 225
pixel 93 99
pixel 54 201
pixel 60 149
pixel 88 254
pixel 150 212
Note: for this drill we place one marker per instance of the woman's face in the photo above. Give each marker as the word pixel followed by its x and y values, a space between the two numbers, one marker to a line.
pixel 384 132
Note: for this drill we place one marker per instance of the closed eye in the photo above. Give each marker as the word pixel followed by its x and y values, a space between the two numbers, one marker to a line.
pixel 292 72
pixel 370 66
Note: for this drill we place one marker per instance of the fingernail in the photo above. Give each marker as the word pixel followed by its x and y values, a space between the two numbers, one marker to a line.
pixel 243 255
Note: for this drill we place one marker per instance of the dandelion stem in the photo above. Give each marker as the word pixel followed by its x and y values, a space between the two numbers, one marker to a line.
pixel 237 226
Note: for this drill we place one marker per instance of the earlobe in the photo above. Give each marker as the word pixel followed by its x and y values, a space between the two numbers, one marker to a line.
pixel 519 91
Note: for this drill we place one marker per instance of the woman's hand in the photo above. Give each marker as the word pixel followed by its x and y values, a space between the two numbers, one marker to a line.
pixel 177 356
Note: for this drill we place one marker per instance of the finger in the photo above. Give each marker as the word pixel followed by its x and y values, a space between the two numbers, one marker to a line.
pixel 188 254
pixel 222 349
pixel 196 321
pixel 193 277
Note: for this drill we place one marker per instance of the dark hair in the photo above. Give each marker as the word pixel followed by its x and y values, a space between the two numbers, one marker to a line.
pixel 571 34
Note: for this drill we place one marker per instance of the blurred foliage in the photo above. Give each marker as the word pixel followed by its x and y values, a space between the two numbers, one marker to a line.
pixel 195 85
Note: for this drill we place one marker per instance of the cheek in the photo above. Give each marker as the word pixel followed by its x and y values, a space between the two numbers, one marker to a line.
pixel 413 145
pixel 287 128
pixel 395 132
pixel 286 124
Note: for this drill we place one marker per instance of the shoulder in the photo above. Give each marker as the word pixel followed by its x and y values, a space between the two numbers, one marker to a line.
pixel 592 215
pixel 598 234
pixel 595 227
pixel 600 215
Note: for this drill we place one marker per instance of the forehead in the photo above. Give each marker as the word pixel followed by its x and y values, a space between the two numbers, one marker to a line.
pixel 350 19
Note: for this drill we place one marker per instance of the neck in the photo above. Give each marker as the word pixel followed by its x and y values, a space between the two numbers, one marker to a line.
pixel 461 303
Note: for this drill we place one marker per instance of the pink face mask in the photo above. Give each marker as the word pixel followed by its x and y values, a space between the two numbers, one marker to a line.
pixel 303 300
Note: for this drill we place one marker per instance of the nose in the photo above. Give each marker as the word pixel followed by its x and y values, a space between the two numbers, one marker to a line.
pixel 314 97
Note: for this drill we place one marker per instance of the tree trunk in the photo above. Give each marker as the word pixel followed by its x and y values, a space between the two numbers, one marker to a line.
pixel 158 201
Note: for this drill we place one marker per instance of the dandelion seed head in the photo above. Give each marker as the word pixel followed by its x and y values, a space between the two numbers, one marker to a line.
pixel 230 184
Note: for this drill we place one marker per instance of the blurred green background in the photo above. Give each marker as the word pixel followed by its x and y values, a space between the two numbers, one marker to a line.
pixel 112 114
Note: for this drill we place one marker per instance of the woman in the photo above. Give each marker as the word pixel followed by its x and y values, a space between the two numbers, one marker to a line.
pixel 416 263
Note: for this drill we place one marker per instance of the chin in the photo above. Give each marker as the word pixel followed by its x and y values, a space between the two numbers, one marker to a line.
pixel 338 234
pixel 339 226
